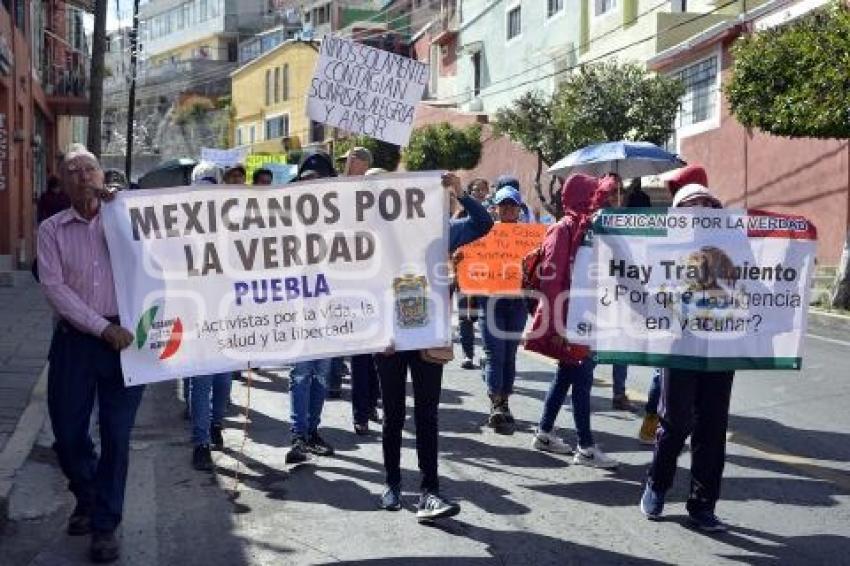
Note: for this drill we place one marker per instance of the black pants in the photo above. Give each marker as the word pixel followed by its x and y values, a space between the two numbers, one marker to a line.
pixel 365 388
pixel 695 404
pixel 81 366
pixel 427 381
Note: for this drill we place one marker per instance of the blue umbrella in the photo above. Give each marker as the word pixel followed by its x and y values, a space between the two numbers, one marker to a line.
pixel 626 159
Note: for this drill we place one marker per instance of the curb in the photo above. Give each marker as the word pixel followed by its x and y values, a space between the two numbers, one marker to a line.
pixel 20 444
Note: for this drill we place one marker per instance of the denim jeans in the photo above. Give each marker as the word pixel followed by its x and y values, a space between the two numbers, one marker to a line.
pixel 654 395
pixel 205 412
pixel 83 367
pixel 619 373
pixel 365 388
pixel 581 379
pixel 308 382
pixel 502 323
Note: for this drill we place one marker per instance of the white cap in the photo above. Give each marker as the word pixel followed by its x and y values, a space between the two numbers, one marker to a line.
pixel 690 192
pixel 206 173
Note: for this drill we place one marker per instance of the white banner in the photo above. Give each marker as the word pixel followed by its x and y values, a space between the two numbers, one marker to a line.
pixel 224 157
pixel 693 288
pixel 365 90
pixel 222 278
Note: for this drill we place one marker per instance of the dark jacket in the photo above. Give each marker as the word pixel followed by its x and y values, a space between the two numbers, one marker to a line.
pixel 465 230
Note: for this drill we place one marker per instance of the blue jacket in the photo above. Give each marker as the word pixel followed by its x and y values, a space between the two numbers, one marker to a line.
pixel 465 230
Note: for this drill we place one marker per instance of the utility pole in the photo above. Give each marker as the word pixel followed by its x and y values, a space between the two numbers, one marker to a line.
pixel 98 51
pixel 131 110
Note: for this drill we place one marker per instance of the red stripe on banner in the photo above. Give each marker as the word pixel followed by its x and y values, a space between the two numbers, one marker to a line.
pixel 764 224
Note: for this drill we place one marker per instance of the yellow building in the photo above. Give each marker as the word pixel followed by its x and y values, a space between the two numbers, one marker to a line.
pixel 270 98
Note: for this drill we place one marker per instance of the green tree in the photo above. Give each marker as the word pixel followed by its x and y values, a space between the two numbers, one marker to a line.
pixel 606 101
pixel 793 81
pixel 442 146
pixel 384 155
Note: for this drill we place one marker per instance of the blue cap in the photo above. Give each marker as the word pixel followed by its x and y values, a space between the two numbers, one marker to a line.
pixel 507 193
pixel 507 181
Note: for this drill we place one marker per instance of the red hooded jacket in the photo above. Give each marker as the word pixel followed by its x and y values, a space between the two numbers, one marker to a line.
pixel 581 197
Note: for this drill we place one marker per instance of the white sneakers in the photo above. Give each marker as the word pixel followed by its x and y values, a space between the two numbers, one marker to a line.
pixel 548 442
pixel 595 458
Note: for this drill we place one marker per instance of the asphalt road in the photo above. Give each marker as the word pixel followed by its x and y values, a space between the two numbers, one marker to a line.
pixel 786 489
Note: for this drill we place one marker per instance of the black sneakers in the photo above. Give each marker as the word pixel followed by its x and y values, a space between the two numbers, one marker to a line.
pixel 216 437
pixel 299 451
pixel 318 446
pixel 202 458
pixel 104 547
pixel 431 506
pixel 79 523
pixel 391 499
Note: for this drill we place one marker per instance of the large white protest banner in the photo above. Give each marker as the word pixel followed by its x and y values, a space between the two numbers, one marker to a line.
pixel 221 278
pixel 693 288
pixel 365 90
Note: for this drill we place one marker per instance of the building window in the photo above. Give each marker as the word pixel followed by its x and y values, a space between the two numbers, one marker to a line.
pixel 276 85
pixel 268 86
pixel 322 15
pixel 317 132
pixel 238 136
pixel 603 6
pixel 699 103
pixel 514 22
pixel 252 137
pixel 678 6
pixel 285 87
pixel 277 127
pixel 21 15
pixel 553 7
pixel 476 73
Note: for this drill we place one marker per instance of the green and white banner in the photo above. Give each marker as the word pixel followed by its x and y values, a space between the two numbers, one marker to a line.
pixel 219 278
pixel 693 288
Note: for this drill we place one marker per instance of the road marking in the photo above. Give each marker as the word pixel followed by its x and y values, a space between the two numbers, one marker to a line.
pixel 808 466
pixel 830 340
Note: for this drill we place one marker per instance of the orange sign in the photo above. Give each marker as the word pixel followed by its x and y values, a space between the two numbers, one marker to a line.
pixel 493 264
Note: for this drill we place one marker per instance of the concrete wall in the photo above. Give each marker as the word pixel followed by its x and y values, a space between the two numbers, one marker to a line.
pixel 510 68
pixel 635 30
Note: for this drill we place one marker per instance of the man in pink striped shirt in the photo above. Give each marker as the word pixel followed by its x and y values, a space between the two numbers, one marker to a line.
pixel 76 277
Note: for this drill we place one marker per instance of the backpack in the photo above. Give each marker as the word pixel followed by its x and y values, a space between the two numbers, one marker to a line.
pixel 530 268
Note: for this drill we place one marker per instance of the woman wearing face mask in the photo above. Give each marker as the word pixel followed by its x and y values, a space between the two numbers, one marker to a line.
pixel 696 404
pixel 502 322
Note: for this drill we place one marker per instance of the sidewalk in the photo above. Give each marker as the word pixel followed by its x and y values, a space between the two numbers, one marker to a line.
pixel 26 324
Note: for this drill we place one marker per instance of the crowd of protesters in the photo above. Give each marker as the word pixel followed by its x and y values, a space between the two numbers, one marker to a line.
pixel 75 274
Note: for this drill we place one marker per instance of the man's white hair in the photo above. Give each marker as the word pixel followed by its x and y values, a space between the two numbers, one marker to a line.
pixel 78 150
pixel 206 173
